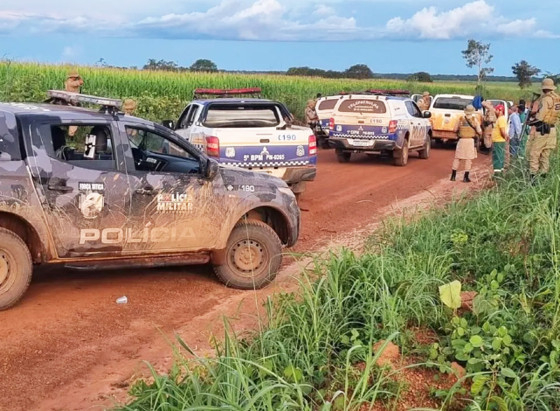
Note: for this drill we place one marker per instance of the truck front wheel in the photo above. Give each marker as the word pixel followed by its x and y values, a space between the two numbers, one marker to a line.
pixel 16 268
pixel 252 257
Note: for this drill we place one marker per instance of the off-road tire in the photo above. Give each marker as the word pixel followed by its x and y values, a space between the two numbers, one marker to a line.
pixel 400 157
pixel 425 152
pixel 342 156
pixel 251 242
pixel 16 268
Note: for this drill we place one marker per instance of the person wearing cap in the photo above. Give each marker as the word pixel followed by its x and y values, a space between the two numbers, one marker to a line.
pixel 311 117
pixel 544 129
pixel 424 102
pixel 499 139
pixel 129 106
pixel 467 129
pixel 73 82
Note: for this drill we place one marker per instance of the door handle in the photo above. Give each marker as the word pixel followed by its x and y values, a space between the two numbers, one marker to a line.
pixel 59 187
pixel 147 191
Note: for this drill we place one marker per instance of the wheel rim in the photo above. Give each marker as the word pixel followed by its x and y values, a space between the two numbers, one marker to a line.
pixel 6 279
pixel 248 256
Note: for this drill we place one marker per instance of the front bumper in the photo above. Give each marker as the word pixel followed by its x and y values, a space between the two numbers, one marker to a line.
pixel 376 145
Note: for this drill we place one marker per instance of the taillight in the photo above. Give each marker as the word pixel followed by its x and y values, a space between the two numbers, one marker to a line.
pixel 213 146
pixel 392 126
pixel 312 145
pixel 331 123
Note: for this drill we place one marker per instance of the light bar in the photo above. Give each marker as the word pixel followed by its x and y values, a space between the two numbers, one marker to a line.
pixel 227 92
pixel 379 92
pixel 74 98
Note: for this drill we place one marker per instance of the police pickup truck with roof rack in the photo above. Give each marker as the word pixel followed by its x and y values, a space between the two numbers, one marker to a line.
pixel 379 121
pixel 250 133
pixel 101 189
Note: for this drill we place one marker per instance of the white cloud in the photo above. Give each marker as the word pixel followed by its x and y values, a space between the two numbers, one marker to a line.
pixel 281 20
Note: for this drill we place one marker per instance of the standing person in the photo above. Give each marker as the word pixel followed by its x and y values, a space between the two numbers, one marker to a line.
pixel 544 129
pixel 523 114
pixel 499 139
pixel 515 129
pixel 467 129
pixel 424 102
pixel 311 117
pixel 73 82
pixel 488 123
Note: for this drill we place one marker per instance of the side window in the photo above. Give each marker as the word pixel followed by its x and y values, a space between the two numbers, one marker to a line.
pixel 189 116
pixel 412 109
pixel 154 152
pixel 89 146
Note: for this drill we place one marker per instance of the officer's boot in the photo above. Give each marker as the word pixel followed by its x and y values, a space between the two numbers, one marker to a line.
pixel 466 178
pixel 453 175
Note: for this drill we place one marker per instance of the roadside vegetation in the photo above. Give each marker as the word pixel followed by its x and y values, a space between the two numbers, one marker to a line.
pixel 319 349
pixel 162 95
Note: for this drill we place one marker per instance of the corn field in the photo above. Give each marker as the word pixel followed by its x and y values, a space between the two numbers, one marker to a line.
pixel 162 94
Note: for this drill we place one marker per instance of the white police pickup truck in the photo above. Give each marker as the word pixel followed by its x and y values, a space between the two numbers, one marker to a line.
pixel 382 121
pixel 250 133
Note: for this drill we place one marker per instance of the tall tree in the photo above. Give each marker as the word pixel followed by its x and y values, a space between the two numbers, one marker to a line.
pixel 203 65
pixel 152 64
pixel 477 55
pixel 524 71
pixel 360 71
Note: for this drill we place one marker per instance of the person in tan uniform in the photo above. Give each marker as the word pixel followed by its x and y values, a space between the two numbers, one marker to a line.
pixel 467 129
pixel 73 82
pixel 543 129
pixel 488 123
pixel 311 117
pixel 129 106
pixel 425 101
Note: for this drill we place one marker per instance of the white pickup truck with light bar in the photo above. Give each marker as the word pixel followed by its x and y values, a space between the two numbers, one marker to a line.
pixel 250 133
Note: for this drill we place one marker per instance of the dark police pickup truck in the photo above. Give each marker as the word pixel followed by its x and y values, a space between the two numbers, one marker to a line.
pixel 92 188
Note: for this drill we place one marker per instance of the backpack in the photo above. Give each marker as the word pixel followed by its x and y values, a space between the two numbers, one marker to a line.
pixel 477 102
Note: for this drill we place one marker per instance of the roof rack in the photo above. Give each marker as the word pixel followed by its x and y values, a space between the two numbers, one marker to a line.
pixel 108 105
pixel 217 92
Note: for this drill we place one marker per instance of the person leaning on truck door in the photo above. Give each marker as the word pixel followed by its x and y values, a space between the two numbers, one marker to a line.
pixel 543 132
pixel 499 139
pixel 424 103
pixel 311 117
pixel 467 129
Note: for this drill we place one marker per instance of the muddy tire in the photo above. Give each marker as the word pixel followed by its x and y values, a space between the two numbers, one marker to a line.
pixel 400 157
pixel 342 156
pixel 425 152
pixel 252 257
pixel 16 268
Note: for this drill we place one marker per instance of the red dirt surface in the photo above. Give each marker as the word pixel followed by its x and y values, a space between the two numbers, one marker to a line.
pixel 68 346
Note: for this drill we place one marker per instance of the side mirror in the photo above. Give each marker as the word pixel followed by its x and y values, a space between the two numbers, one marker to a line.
pixel 169 124
pixel 212 169
pixel 426 114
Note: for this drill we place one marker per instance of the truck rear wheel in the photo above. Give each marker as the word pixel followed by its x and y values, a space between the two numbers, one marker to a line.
pixel 400 157
pixel 252 257
pixel 16 268
pixel 343 156
pixel 425 152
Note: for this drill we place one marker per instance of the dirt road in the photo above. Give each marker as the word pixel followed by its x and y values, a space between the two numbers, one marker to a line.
pixel 68 345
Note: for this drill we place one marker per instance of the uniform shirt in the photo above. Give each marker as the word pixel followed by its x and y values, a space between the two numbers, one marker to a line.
pixel 468 126
pixel 501 123
pixel 311 115
pixel 73 84
pixel 424 103
pixel 548 112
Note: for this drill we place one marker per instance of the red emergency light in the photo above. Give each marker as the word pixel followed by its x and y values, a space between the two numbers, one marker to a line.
pixel 217 92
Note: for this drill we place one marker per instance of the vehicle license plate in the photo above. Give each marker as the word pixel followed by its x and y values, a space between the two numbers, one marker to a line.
pixel 362 143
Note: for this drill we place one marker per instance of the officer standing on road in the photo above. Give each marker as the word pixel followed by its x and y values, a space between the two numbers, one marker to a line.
pixel 467 129
pixel 544 129
pixel 425 101
pixel 311 117
pixel 73 82
pixel 488 123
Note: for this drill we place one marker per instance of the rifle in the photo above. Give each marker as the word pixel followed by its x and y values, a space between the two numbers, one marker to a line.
pixel 529 114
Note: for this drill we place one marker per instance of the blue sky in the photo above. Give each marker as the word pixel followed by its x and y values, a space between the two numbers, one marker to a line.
pixel 388 35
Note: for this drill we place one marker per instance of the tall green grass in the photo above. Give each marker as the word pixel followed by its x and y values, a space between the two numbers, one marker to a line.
pixel 314 349
pixel 162 95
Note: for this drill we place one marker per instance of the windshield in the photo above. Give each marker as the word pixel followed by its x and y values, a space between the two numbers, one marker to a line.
pixel 231 115
pixel 362 106
pixel 452 103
